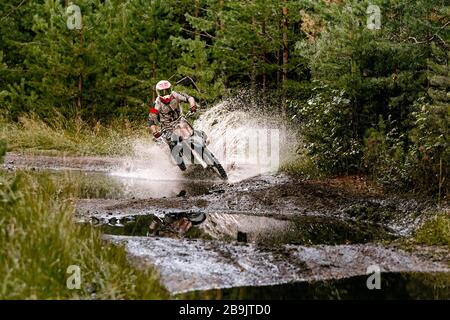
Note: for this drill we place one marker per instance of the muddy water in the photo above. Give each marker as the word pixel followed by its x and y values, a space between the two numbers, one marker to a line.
pixel 99 185
pixel 270 236
pixel 260 230
pixel 252 242
pixel 261 253
pixel 392 286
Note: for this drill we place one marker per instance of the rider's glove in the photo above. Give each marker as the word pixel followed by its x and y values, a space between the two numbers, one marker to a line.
pixel 193 109
pixel 156 135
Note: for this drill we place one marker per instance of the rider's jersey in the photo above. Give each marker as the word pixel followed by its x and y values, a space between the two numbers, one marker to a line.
pixel 166 113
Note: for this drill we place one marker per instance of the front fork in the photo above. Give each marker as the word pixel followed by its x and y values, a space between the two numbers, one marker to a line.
pixel 190 151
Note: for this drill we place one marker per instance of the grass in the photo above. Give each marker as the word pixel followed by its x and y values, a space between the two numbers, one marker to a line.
pixel 302 165
pixel 79 185
pixel 435 231
pixel 71 137
pixel 39 241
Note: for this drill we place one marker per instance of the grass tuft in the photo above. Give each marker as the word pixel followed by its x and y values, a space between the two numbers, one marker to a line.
pixel 39 241
pixel 71 137
pixel 435 231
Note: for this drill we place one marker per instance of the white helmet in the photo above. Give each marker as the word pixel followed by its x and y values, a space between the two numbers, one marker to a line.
pixel 164 91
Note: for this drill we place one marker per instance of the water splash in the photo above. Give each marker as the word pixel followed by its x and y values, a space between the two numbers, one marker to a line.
pixel 247 141
pixel 148 162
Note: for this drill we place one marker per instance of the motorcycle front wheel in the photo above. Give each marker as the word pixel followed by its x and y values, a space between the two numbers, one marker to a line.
pixel 214 163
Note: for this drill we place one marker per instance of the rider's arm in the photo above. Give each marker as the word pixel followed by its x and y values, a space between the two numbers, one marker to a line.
pixel 191 101
pixel 185 98
pixel 152 121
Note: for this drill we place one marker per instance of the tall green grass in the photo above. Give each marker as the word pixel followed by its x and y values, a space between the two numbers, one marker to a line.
pixel 72 137
pixel 39 241
pixel 435 231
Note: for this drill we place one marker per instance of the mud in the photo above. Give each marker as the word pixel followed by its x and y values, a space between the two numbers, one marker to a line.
pixel 279 196
pixel 187 265
pixel 267 230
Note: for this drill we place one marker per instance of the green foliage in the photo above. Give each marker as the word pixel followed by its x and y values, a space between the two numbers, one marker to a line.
pixel 429 153
pixel 327 125
pixel 386 99
pixel 106 69
pixel 40 241
pixel 75 137
pixel 385 156
pixel 435 231
pixel 394 122
pixel 2 150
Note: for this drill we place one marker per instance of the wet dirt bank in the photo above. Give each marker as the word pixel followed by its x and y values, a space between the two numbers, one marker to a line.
pixel 187 265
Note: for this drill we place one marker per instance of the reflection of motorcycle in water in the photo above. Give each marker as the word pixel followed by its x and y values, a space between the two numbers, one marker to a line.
pixel 175 224
pixel 188 145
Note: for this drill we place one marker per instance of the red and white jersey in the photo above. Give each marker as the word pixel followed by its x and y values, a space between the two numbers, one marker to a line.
pixel 165 113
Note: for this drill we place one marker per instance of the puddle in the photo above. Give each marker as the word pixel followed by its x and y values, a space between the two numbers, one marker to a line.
pixel 252 229
pixel 100 185
pixel 263 257
pixel 393 286
pixel 295 230
pixel 257 235
pixel 171 225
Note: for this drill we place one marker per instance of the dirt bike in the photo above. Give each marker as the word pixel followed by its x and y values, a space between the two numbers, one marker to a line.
pixel 188 145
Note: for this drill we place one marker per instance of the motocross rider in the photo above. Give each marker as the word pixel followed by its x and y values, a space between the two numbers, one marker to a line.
pixel 167 108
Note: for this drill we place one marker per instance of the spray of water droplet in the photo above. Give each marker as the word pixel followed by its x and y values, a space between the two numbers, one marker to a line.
pixel 231 119
pixel 247 140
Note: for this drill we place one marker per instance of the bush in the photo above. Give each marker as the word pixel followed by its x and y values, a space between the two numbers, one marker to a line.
pixel 327 126
pixel 384 157
pixel 2 150
pixel 416 161
pixel 435 231
pixel 429 153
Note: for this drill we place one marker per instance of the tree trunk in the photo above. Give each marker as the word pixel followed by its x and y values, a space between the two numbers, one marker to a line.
pixel 220 21
pixel 285 43
pixel 80 80
pixel 254 62
pixel 284 24
pixel 264 76
pixel 154 80
pixel 197 8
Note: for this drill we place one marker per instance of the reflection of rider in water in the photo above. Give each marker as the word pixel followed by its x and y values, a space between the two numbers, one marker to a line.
pixel 172 228
pixel 167 108
pixel 175 225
